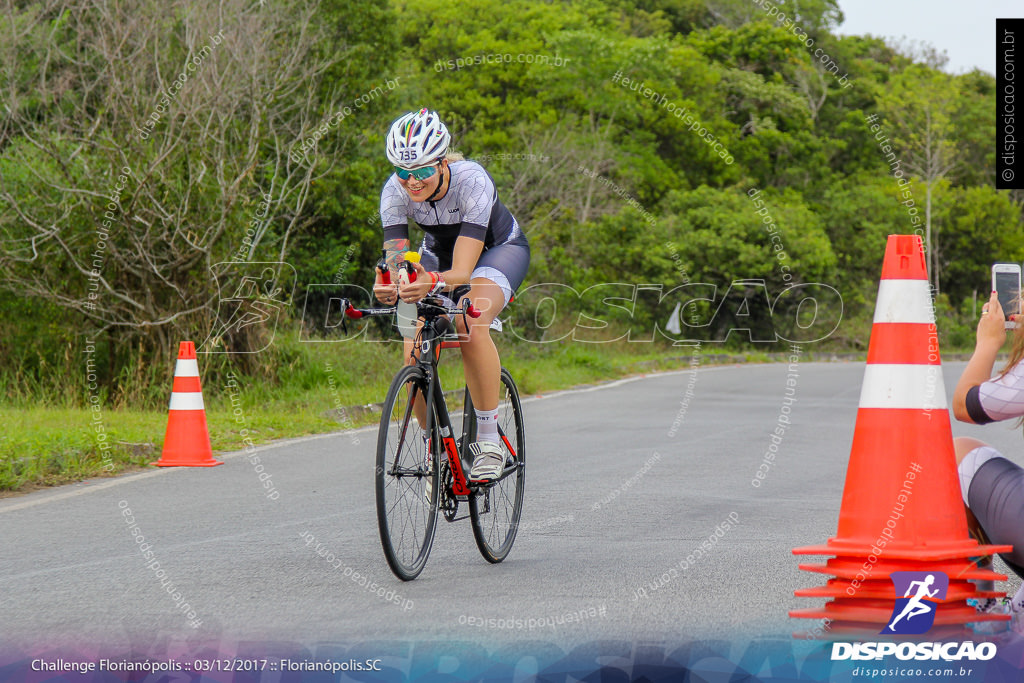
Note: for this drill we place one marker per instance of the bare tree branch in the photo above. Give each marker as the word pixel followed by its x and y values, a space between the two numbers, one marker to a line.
pixel 141 142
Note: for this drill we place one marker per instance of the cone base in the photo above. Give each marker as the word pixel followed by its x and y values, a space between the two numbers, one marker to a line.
pixel 852 570
pixel 862 595
pixel 966 548
pixel 838 589
pixel 834 617
pixel 175 463
pixel 875 614
pixel 845 630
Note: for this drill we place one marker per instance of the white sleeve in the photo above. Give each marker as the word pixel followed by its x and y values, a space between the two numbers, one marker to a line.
pixel 394 204
pixel 1002 398
pixel 476 199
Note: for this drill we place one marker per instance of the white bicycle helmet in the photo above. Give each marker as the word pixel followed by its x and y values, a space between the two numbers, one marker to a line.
pixel 417 139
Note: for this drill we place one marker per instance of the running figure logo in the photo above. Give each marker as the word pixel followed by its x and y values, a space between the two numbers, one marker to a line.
pixel 252 296
pixel 914 613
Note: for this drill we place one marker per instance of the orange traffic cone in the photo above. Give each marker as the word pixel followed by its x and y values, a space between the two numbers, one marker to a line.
pixel 901 509
pixel 187 441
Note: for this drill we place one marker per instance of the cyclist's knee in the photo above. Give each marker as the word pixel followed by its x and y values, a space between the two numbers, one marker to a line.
pixel 487 298
pixel 478 328
pixel 477 334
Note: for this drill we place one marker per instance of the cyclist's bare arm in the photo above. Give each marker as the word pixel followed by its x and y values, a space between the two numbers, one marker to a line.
pixel 464 257
pixel 396 249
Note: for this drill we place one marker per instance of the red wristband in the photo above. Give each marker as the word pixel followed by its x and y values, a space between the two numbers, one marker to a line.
pixel 438 283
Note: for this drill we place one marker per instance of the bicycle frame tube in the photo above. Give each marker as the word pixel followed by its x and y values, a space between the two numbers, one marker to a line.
pixel 508 444
pixel 430 347
pixel 435 393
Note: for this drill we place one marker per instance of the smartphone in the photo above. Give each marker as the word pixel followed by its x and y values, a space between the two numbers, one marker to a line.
pixel 1006 283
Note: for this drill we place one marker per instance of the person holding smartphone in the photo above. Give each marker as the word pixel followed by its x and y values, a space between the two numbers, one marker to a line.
pixel 991 485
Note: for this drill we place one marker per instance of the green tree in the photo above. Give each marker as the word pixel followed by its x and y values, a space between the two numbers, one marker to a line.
pixel 917 106
pixel 730 235
pixel 981 225
pixel 859 214
pixel 973 122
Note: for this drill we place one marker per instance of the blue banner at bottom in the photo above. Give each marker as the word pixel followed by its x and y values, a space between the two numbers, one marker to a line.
pixel 707 661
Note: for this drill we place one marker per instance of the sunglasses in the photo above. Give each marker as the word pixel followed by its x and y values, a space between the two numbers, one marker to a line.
pixel 417 173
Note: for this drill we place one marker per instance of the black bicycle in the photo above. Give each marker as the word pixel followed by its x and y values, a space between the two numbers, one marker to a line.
pixel 422 463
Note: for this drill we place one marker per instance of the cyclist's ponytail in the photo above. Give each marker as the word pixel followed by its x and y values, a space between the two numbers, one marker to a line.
pixel 451 155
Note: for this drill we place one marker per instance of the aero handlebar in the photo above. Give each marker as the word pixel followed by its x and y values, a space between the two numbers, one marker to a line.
pixel 431 307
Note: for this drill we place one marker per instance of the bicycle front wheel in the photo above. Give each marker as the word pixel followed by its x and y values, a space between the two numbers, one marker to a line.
pixel 406 478
pixel 495 510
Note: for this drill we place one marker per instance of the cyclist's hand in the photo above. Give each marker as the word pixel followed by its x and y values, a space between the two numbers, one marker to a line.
pixel 387 294
pixel 415 291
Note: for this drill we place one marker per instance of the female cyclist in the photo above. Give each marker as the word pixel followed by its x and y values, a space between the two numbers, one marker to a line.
pixel 472 247
pixel 992 486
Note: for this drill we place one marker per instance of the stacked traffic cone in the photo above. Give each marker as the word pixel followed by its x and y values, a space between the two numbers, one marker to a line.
pixel 187 441
pixel 901 509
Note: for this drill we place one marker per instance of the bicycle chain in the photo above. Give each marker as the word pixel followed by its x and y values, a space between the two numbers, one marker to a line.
pixel 447 503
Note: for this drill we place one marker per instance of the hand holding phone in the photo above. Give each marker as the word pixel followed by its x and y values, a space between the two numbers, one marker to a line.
pixel 1006 280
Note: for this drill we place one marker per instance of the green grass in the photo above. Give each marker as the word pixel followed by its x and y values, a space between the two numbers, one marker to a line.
pixel 43 446
pixel 55 445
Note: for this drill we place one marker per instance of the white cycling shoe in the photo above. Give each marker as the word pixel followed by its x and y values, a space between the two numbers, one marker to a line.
pixel 488 461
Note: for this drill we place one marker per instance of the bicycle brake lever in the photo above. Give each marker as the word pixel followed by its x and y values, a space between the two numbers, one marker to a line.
pixel 468 309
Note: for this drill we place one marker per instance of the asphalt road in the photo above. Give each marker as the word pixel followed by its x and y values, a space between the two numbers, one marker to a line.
pixel 624 481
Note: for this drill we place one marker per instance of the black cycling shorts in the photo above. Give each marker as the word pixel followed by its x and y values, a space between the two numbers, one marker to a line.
pixel 996 497
pixel 504 264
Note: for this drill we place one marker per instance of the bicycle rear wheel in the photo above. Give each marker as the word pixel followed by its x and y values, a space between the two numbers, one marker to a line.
pixel 406 512
pixel 495 510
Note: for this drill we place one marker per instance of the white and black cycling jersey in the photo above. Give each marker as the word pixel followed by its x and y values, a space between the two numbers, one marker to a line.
pixel 470 207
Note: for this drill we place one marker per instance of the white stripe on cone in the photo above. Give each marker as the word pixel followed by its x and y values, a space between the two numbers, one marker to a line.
pixel 903 386
pixel 186 367
pixel 904 301
pixel 191 400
